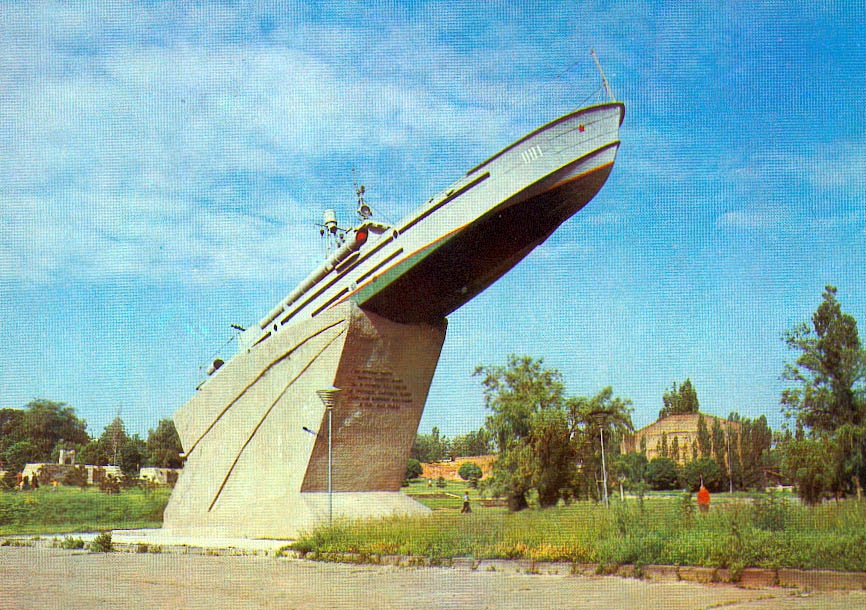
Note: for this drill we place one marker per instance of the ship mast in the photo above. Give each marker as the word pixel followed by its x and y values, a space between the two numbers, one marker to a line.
pixel 603 77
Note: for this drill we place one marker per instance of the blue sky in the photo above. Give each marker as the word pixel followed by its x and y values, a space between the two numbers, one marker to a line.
pixel 161 165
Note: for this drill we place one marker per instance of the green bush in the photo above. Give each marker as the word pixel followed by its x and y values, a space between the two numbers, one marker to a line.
pixel 8 481
pixel 75 477
pixel 770 513
pixel 72 543
pixel 413 469
pixel 102 543
pixel 661 474
pixel 707 469
pixel 470 471
pixel 734 535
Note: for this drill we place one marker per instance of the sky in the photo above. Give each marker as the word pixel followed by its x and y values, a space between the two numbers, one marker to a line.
pixel 162 166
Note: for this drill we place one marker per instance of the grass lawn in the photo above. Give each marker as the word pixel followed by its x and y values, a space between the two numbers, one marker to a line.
pixel 70 509
pixel 439 498
pixel 738 532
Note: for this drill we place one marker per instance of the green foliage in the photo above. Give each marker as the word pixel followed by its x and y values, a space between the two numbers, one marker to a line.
pixel 771 513
pixel 679 400
pixel 829 370
pixel 686 506
pixel 515 394
pixel 46 423
pixel 720 443
pixel 75 476
pixel 705 469
pixel 19 454
pixel 770 533
pixel 705 441
pixel 102 543
pixel 72 543
pixel 828 398
pixel 472 444
pixel 32 434
pixel 661 474
pixel 809 464
pixel 429 448
pixel 413 469
pixel 93 453
pixel 109 484
pixel 470 471
pixel 8 481
pixel 542 436
pixel 120 449
pixel 751 447
pixel 630 469
pixel 551 455
pixel 69 509
pixel 163 446
pixel 440 482
pixel 600 417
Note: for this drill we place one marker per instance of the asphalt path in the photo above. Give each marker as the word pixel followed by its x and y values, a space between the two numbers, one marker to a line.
pixel 42 578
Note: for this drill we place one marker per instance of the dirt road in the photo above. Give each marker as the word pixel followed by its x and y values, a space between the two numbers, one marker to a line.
pixel 45 578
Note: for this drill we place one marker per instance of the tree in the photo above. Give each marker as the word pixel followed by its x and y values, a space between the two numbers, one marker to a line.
pixel 679 400
pixel 413 469
pixel 429 448
pixel 516 394
pixel 809 464
pixel 630 469
pixel 752 452
pixel 470 471
pixel 661 474
pixel 827 396
pixel 163 446
pixel 133 453
pixel 112 439
pixel 552 455
pixel 93 453
pixel 19 454
pixel 601 417
pixel 120 449
pixel 705 469
pixel 829 370
pixel 542 437
pixel 45 423
pixel 720 443
pixel 662 447
pixel 705 441
pixel 471 444
pixel 11 432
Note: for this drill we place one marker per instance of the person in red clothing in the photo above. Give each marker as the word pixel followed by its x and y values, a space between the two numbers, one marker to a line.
pixel 703 498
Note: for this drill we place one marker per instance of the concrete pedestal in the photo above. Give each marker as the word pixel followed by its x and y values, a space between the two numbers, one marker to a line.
pixel 252 469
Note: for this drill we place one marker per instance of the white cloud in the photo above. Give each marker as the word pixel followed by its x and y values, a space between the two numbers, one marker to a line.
pixel 162 159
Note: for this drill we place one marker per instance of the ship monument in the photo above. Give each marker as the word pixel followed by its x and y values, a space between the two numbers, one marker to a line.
pixel 313 418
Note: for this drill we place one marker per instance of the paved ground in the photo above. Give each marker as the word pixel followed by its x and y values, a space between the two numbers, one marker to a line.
pixel 45 578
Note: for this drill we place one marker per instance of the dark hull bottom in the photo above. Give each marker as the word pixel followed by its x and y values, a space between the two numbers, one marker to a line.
pixel 474 258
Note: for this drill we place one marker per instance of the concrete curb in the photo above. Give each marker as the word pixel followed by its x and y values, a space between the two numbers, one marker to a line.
pixel 809 580
pixel 749 578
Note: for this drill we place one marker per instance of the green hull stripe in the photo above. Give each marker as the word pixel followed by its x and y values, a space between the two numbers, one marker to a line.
pixel 394 273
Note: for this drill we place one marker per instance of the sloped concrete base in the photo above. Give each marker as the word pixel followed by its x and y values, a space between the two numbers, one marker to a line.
pixel 256 434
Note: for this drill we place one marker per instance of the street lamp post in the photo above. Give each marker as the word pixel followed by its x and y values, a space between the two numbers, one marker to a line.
pixel 328 397
pixel 603 465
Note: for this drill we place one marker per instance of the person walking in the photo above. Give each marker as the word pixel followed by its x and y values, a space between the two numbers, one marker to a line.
pixel 466 508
